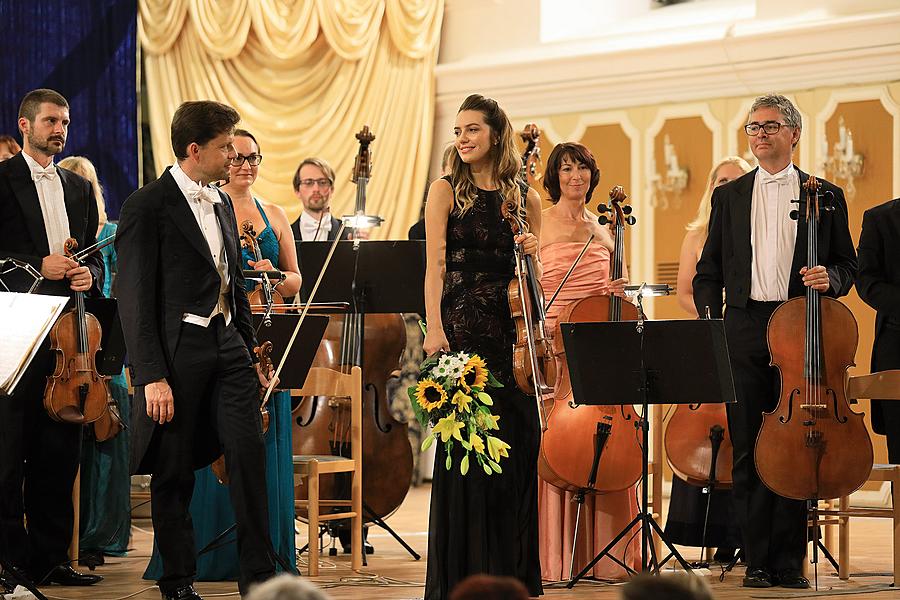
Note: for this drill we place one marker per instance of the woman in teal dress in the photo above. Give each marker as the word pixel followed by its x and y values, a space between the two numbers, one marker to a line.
pixel 105 515
pixel 211 510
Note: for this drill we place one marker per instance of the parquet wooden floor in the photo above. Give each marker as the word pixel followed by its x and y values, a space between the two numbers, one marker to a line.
pixel 871 547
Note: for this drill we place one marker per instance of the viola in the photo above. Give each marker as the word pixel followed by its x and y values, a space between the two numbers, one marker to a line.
pixel 264 298
pixel 534 367
pixel 76 392
pixel 813 445
pixel 322 424
pixel 568 444
pixel 264 353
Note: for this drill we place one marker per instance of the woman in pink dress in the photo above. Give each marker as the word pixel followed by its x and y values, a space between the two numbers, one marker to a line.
pixel 570 178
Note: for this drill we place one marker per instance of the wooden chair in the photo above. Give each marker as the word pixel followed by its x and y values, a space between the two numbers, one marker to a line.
pixel 883 385
pixel 327 382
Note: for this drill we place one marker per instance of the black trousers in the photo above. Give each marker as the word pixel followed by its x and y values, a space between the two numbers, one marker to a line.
pixel 38 462
pixel 887 356
pixel 773 528
pixel 214 385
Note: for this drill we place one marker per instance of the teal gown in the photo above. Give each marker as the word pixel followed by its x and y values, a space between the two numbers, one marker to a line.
pixel 105 515
pixel 211 510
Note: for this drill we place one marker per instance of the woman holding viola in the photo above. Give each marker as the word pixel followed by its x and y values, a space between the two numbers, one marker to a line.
pixel 482 523
pixel 211 509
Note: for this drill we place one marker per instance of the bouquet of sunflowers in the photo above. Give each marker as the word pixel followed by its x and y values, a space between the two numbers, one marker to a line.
pixel 451 396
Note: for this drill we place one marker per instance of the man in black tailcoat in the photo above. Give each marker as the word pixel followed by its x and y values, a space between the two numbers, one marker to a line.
pixel 757 254
pixel 41 206
pixel 190 340
pixel 878 284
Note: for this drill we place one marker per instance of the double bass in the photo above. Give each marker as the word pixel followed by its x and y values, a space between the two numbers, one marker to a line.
pixel 574 432
pixel 813 445
pixel 76 392
pixel 322 424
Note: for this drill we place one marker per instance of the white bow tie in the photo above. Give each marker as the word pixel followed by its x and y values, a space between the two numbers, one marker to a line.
pixel 38 173
pixel 780 178
pixel 205 193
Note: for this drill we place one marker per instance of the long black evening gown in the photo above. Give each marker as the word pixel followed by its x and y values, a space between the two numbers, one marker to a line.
pixel 480 523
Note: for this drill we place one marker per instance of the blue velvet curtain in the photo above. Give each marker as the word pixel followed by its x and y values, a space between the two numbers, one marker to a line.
pixel 87 51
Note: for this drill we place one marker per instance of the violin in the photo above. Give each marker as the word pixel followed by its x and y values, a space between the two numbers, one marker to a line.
pixel 264 353
pixel 813 445
pixel 534 367
pixel 375 342
pixel 76 392
pixel 264 298
pixel 575 432
pixel 531 157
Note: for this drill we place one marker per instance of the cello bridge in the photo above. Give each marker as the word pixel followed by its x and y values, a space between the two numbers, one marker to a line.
pixel 338 402
pixel 814 406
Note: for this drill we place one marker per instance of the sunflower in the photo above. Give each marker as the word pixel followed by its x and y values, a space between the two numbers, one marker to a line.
pixel 430 395
pixel 474 374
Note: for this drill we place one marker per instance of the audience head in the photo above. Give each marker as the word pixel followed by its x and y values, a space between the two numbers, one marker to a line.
pixel 677 586
pixel 286 587
pixel 489 587
pixel 247 151
pixel 82 166
pixel 727 169
pixel 44 122
pixel 566 160
pixel 202 135
pixel 9 147
pixel 314 184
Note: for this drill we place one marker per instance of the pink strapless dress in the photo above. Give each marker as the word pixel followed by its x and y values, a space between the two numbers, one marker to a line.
pixel 603 516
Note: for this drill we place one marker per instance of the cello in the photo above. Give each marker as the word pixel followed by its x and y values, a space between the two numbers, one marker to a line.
pixel 76 392
pixel 322 424
pixel 813 446
pixel 576 432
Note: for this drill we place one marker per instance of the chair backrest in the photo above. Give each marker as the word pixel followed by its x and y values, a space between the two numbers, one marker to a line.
pixel 321 381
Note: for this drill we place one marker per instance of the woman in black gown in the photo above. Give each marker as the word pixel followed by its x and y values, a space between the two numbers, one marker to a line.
pixel 482 523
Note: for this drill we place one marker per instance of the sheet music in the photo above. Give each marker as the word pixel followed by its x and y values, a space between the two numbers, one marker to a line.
pixel 25 320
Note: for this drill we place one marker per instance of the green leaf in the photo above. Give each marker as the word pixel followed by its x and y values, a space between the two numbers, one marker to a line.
pixel 464 465
pixel 467 446
pixel 427 442
pixel 485 399
pixel 493 381
pixel 423 327
pixel 449 462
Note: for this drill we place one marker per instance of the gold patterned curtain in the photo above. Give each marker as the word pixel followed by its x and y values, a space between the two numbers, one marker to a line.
pixel 305 75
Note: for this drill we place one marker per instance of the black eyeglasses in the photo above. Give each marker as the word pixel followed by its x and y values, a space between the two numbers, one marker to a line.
pixel 253 160
pixel 770 127
pixel 322 183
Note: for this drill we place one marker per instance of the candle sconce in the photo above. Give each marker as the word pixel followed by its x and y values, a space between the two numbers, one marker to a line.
pixel 671 183
pixel 841 161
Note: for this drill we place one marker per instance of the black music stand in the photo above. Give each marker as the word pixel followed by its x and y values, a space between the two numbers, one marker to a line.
pixel 293 375
pixel 373 277
pixel 647 362
pixel 382 276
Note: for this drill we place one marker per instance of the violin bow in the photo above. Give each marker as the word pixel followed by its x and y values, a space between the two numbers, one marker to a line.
pixel 569 272
pixel 78 256
pixel 303 313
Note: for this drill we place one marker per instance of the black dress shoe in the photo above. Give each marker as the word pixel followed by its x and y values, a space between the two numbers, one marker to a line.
pixel 183 593
pixel 66 575
pixel 759 578
pixel 793 579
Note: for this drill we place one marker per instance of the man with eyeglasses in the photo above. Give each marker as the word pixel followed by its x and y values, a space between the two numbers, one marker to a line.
pixel 757 254
pixel 190 339
pixel 313 186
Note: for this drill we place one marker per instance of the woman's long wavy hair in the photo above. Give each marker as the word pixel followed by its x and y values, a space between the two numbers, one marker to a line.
pixel 701 220
pixel 84 167
pixel 505 160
